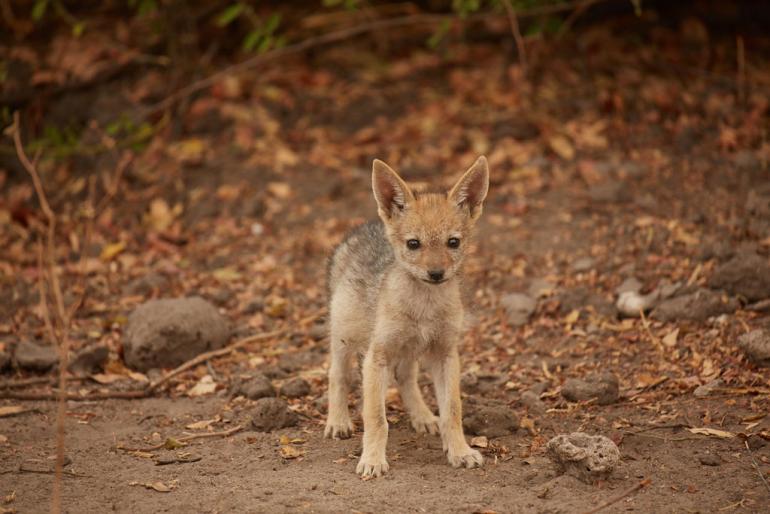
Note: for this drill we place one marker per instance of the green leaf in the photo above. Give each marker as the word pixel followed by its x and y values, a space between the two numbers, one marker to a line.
pixel 39 9
pixel 78 28
pixel 230 14
pixel 438 36
pixel 272 23
pixel 252 40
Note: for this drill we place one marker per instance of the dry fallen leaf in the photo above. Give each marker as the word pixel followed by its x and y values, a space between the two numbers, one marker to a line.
pixel 480 442
pixel 562 147
pixel 291 452
pixel 155 486
pixel 106 378
pixel 3 439
pixel 205 385
pixel 670 338
pixel 12 410
pixel 111 250
pixel 712 432
pixel 200 425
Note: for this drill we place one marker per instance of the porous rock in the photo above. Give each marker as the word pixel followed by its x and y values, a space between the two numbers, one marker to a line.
pixel 586 457
pixel 697 306
pixel 519 307
pixel 756 346
pixel 604 388
pixel 166 333
pixel 490 420
pixel 35 357
pixel 532 401
pixel 295 388
pixel 255 387
pixel 271 414
pixel 746 274
pixel 89 360
pixel 709 388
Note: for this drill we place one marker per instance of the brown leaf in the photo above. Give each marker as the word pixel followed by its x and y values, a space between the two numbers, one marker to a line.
pixel 12 410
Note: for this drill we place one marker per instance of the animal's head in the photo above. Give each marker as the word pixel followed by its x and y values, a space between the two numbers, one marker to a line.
pixel 429 232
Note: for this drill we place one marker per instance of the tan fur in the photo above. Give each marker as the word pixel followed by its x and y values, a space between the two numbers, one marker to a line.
pixel 400 316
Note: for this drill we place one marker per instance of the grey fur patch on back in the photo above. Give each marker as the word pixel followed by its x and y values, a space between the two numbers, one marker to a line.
pixel 361 259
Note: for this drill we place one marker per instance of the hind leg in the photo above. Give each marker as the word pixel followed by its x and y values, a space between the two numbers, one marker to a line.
pixel 423 420
pixel 338 423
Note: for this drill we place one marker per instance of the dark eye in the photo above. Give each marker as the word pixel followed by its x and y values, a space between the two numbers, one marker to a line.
pixel 453 242
pixel 413 244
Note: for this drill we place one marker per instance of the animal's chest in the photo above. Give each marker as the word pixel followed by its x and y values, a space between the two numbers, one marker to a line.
pixel 431 324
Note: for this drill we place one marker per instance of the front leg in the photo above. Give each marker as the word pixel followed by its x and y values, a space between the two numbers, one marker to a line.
pixel 446 379
pixel 375 382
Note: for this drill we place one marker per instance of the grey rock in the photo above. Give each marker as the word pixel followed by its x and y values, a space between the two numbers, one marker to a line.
pixel 295 361
pixel 607 192
pixel 532 401
pixel 519 307
pixel 255 387
pixel 710 459
pixel 271 414
pixel 166 333
pixel 295 388
pixel 746 274
pixel 321 404
pixel 708 388
pixel 581 297
pixel 491 420
pixel 146 284
pixel 697 306
pixel 604 388
pixel 583 264
pixel 469 382
pixel 629 285
pixel 89 359
pixel 273 372
pixel 587 457
pixel 756 346
pixel 540 288
pixel 35 357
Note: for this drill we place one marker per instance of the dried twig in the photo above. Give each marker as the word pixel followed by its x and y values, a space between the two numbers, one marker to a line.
pixel 59 326
pixel 184 439
pixel 520 44
pixel 25 382
pixel 644 483
pixel 202 358
pixel 756 466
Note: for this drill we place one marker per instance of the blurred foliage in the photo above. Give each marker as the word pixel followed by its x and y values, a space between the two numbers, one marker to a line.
pixel 258 25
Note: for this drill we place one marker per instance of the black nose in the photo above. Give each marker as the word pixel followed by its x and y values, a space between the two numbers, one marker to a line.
pixel 436 275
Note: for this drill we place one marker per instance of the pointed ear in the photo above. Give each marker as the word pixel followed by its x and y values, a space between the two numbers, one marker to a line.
pixel 390 191
pixel 471 190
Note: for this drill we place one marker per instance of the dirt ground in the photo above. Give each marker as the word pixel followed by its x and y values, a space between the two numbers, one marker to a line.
pixel 628 150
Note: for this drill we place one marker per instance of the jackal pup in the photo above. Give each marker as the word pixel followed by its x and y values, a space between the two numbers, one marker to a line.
pixel 395 299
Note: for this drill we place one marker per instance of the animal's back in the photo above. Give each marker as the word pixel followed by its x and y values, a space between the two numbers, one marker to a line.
pixel 360 261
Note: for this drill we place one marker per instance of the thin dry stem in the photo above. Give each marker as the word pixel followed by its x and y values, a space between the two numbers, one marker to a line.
pixel 520 44
pixel 644 483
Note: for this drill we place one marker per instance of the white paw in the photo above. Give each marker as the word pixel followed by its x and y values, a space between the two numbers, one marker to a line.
pixel 372 467
pixel 338 429
pixel 425 424
pixel 467 457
